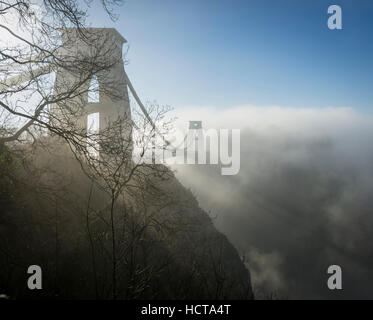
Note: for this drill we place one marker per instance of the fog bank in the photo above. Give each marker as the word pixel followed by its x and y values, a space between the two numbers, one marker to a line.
pixel 302 199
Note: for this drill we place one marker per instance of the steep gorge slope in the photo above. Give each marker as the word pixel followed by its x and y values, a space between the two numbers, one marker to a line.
pixel 166 246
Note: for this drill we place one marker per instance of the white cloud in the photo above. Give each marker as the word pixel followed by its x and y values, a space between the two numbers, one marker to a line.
pixel 263 118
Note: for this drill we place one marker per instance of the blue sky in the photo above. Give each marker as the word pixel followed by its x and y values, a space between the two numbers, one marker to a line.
pixel 225 53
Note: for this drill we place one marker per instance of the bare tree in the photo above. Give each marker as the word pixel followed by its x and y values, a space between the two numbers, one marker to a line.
pixel 33 104
pixel 31 51
pixel 129 182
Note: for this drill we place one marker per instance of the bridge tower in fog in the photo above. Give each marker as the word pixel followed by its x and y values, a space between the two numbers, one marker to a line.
pixel 106 99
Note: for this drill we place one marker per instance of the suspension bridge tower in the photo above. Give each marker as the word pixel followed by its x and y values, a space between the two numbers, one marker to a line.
pixel 104 98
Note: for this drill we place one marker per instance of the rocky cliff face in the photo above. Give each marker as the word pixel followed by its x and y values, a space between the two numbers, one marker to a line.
pixel 154 243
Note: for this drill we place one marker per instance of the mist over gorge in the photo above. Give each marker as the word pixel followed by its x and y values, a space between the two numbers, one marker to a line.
pixel 301 201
